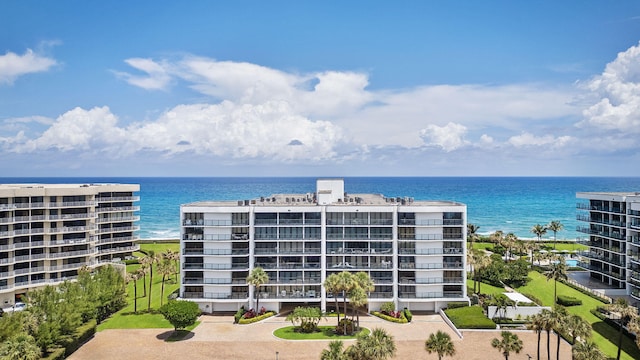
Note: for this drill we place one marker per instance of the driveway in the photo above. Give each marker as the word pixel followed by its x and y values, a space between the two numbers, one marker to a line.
pixel 218 338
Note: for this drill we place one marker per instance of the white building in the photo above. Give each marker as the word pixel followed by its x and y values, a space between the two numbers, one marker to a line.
pixel 612 228
pixel 413 250
pixel 48 232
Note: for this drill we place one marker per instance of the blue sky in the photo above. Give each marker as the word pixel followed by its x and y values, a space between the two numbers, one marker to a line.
pixel 256 88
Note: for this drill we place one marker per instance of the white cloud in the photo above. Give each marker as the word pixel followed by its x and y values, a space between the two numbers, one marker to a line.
pixel 157 76
pixel 618 93
pixel 13 65
pixel 529 140
pixel 449 137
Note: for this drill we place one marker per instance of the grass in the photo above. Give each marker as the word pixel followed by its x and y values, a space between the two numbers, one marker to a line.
pixel 470 317
pixel 604 335
pixel 485 288
pixel 325 333
pixel 126 318
pixel 545 245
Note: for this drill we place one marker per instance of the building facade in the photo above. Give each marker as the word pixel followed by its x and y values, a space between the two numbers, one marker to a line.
pixel 612 226
pixel 48 232
pixel 414 251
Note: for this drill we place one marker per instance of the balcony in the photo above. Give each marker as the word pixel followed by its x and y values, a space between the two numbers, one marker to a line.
pixel 602 271
pixel 118 229
pixel 431 280
pixel 117 199
pixel 215 252
pixel 115 240
pixel 71 254
pixel 208 281
pixel 198 266
pixel 121 249
pixel 431 266
pixel 117 209
pixel 608 234
pixel 88 215
pixel 219 296
pixel 603 258
pixel 435 251
pixel 118 219
pixel 431 295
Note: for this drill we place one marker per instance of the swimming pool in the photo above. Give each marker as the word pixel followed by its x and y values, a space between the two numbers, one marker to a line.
pixel 572 263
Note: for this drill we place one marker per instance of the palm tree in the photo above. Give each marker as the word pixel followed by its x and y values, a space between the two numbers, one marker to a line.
pixel 472 234
pixel 531 247
pixel 510 342
pixel 165 268
pixel 134 276
pixel 558 271
pixel 144 268
pixel 20 347
pixel 508 241
pixel 378 345
pixel 577 327
pixel 626 314
pixel 335 351
pixel 539 231
pixel 536 324
pixel 496 237
pixel 560 315
pixel 152 259
pixel 174 257
pixel 332 286
pixel 345 283
pixel 359 295
pixel 502 303
pixel 440 343
pixel 257 278
pixel 555 226
pixel 547 321
pixel 587 351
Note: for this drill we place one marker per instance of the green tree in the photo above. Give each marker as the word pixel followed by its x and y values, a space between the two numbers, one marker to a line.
pixel 536 323
pixel 509 343
pixel 509 241
pixel 150 259
pixel 626 314
pixel 257 278
pixel 472 234
pixel 501 302
pixel 135 276
pixel 555 226
pixel 305 318
pixel 560 316
pixel 20 347
pixel 358 296
pixel 332 286
pixel 173 256
pixel 577 327
pixel 378 345
pixel 180 313
pixel 539 231
pixel 587 351
pixel 548 322
pixel 165 268
pixel 557 271
pixel 440 343
pixel 335 351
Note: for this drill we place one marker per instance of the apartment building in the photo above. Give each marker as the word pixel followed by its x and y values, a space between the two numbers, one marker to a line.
pixel 612 225
pixel 413 250
pixel 48 232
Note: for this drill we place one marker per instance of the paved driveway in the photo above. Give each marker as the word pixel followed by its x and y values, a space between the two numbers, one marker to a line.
pixel 218 338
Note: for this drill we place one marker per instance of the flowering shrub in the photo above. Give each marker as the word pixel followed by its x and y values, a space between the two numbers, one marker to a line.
pixel 262 311
pixel 249 314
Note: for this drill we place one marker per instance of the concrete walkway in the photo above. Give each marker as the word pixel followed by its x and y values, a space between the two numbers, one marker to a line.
pixel 218 338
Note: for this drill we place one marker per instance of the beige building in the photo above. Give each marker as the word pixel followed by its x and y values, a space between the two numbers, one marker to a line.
pixel 413 250
pixel 49 231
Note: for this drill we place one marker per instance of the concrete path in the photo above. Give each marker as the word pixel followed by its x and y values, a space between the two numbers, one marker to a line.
pixel 218 338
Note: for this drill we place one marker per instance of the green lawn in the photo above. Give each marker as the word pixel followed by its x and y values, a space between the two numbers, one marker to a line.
pixel 470 317
pixel 325 333
pixel 125 318
pixel 604 335
pixel 485 288
pixel 545 245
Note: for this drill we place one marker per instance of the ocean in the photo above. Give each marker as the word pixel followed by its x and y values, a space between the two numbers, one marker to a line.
pixel 510 204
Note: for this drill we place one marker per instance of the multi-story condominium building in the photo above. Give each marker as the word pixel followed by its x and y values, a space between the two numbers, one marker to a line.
pixel 413 250
pixel 613 225
pixel 48 232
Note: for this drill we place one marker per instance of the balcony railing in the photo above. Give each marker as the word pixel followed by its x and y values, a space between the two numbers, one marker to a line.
pixel 117 199
pixel 436 251
pixel 431 295
pixel 212 295
pixel 431 280
pixel 601 270
pixel 119 208
pixel 431 266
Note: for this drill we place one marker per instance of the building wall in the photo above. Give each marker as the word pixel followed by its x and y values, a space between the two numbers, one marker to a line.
pixel 48 232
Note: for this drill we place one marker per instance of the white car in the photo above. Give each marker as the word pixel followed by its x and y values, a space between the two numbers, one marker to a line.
pixel 19 306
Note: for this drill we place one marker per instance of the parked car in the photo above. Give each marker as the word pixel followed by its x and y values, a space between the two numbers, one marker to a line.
pixel 19 306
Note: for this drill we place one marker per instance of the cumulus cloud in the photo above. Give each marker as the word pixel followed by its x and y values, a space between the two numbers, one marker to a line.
pixel 449 137
pixel 618 93
pixel 156 78
pixel 13 65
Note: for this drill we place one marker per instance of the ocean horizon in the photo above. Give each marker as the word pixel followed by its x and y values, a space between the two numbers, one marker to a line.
pixel 510 204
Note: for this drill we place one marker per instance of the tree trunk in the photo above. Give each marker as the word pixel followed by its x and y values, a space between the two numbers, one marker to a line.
pixel 150 284
pixel 257 293
pixel 619 340
pixel 162 290
pixel 135 296
pixel 558 346
pixel 335 297
pixel 539 333
pixel 548 347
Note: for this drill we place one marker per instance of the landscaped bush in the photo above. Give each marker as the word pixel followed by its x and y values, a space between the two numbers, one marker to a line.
pixel 55 354
pixel 568 301
pixel 131 261
pixel 387 307
pixel 470 317
pixel 586 292
pixel 344 327
pixel 455 305
pixel 238 315
pixel 257 318
pixel 401 319
pixel 82 335
pixel 532 298
pixel 407 314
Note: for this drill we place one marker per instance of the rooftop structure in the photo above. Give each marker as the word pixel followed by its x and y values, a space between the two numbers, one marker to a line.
pixel 49 231
pixel 612 227
pixel 413 250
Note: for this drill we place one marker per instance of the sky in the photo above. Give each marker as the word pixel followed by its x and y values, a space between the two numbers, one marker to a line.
pixel 322 88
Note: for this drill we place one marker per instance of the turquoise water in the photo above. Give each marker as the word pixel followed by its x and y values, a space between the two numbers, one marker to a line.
pixel 510 204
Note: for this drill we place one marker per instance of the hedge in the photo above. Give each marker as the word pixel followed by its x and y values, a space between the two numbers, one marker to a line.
pixel 568 300
pixel 456 305
pixel 257 318
pixel 82 335
pixel 400 320
pixel 55 354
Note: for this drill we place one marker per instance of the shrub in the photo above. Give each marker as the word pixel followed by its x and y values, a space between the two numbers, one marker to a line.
pixel 532 298
pixel 180 313
pixel 568 301
pixel 407 314
pixel 238 315
pixel 245 321
pixel 455 305
pixel 81 335
pixel 387 307
pixel 250 314
pixel 399 320
pixel 344 327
